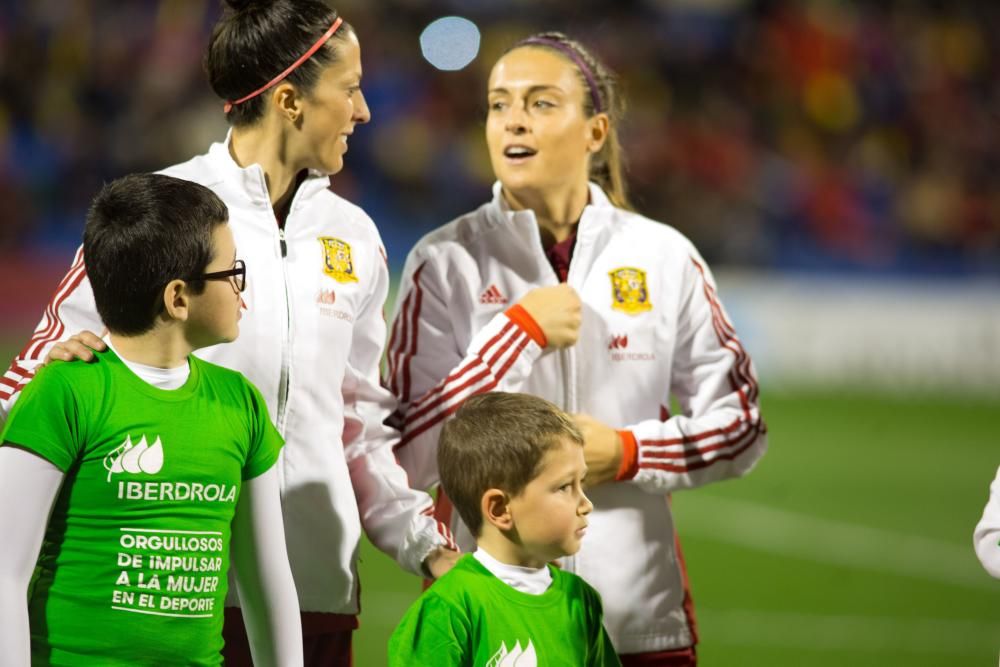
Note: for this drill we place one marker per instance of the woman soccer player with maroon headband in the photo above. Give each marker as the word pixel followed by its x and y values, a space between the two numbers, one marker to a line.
pixel 556 288
pixel 312 334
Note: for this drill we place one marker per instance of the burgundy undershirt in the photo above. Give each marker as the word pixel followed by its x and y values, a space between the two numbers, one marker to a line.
pixel 560 255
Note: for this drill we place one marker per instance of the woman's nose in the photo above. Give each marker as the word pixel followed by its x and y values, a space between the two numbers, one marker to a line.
pixel 362 114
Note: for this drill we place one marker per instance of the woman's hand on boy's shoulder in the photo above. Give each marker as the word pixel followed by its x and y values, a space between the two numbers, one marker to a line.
pixel 78 346
pixel 439 561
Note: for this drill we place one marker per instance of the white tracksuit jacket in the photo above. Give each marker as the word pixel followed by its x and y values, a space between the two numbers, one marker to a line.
pixel 652 327
pixel 311 340
pixel 986 537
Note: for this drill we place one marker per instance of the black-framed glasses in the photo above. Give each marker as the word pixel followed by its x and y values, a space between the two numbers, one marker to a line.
pixel 238 274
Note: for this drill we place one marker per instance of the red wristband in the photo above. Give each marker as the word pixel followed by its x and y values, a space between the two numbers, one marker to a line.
pixel 630 456
pixel 519 316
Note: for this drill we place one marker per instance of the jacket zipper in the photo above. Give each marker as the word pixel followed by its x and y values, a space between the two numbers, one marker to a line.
pixel 567 358
pixel 565 355
pixel 567 363
pixel 568 355
pixel 283 382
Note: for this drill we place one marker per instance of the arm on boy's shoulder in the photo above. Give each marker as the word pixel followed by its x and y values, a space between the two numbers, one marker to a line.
pixel 396 517
pixel 80 346
pixel 440 561
pixel 434 632
pixel 72 308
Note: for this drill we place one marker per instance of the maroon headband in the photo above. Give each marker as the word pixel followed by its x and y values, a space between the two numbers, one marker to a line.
pixel 571 53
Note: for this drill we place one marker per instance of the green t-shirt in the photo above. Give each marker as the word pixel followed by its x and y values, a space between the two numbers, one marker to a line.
pixel 132 570
pixel 471 618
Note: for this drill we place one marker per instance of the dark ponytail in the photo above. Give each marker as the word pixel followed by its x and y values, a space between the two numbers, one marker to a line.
pixel 607 167
pixel 256 40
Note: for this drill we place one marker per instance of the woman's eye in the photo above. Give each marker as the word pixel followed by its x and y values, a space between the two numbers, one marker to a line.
pixel 496 106
pixel 543 104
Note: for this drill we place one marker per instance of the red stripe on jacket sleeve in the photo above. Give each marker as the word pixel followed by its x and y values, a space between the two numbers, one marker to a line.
pixel 18 376
pixel 418 298
pixel 515 345
pixel 477 360
pixel 732 439
pixel 55 326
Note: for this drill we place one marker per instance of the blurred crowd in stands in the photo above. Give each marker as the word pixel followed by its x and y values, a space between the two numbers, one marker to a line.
pixel 813 135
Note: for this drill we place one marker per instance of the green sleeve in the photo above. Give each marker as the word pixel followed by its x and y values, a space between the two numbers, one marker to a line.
pixel 432 632
pixel 602 653
pixel 265 441
pixel 47 420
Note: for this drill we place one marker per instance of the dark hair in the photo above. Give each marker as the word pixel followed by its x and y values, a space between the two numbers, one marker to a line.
pixel 143 231
pixel 497 441
pixel 607 167
pixel 257 40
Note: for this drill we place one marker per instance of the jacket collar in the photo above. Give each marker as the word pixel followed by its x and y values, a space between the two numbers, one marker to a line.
pixel 597 224
pixel 597 197
pixel 251 179
pixel 598 208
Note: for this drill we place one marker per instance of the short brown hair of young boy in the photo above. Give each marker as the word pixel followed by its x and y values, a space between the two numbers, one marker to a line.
pixel 497 441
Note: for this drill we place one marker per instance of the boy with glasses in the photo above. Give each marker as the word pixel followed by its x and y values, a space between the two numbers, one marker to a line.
pixel 129 482
pixel 238 274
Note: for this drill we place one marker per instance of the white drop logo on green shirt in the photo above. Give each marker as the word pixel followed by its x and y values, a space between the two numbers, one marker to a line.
pixel 469 618
pixel 141 457
pixel 133 566
pixel 516 656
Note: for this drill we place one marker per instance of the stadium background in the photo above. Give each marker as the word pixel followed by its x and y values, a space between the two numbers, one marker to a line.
pixel 838 165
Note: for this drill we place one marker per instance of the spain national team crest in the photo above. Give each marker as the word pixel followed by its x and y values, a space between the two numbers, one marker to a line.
pixel 629 292
pixel 337 262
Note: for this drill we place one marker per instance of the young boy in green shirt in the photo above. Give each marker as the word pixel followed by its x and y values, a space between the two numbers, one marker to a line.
pixel 127 483
pixel 513 466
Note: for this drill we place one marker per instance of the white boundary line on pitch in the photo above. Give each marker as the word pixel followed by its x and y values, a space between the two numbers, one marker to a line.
pixel 780 531
pixel 870 634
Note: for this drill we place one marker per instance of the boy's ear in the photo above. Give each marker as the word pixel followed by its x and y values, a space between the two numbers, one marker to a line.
pixel 176 300
pixel 495 507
